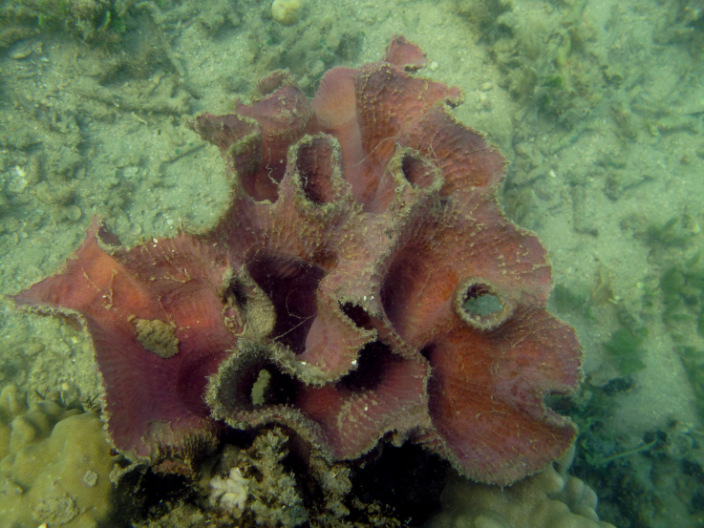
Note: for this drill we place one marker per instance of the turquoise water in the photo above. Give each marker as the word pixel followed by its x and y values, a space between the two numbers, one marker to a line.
pixel 598 105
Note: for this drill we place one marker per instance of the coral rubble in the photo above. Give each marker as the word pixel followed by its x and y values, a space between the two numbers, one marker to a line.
pixel 230 493
pixel 363 284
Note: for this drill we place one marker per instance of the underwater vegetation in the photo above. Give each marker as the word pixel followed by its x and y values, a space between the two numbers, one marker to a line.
pixel 682 287
pixel 546 62
pixel 633 474
pixel 676 292
pixel 94 21
pixel 624 346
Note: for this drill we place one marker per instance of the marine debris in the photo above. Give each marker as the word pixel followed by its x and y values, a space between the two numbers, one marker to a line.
pixel 363 285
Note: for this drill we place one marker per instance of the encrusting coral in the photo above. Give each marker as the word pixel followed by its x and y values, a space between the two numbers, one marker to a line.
pixel 549 499
pixel 55 465
pixel 362 252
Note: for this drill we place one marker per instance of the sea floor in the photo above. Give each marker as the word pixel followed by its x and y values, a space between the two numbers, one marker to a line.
pixel 598 105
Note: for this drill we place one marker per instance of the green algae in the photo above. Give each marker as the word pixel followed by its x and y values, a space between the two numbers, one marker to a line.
pixel 575 300
pixel 674 232
pixel 626 348
pixel 94 21
pixel 682 287
pixel 693 359
pixel 547 64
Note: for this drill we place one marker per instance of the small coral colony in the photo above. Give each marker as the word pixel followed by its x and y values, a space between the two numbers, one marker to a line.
pixel 363 285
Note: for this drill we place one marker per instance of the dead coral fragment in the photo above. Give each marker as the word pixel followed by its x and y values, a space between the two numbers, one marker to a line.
pixel 230 493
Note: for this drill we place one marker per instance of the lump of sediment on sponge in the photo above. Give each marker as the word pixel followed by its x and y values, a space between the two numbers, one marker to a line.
pixel 157 337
